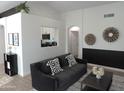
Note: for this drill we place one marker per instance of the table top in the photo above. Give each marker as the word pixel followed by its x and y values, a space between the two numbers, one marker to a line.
pixel 100 84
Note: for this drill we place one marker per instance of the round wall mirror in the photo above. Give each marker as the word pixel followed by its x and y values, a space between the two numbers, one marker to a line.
pixel 90 39
pixel 110 34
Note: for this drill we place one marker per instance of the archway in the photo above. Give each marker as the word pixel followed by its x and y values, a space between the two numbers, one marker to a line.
pixel 74 40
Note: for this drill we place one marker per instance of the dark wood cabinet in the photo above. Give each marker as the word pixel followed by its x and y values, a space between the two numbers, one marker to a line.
pixel 10 64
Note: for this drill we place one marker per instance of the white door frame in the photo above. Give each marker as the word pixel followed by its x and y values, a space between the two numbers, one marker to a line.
pixel 2 49
pixel 69 35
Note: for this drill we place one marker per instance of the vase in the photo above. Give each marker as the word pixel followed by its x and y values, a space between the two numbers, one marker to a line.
pixel 94 70
pixel 101 71
pixel 98 76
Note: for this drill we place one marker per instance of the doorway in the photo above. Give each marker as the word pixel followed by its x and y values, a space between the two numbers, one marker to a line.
pixel 74 40
pixel 2 44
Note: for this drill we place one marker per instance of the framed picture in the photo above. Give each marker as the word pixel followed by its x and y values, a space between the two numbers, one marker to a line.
pixel 10 38
pixel 16 39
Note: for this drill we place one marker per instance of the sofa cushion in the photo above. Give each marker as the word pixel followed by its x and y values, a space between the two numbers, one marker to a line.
pixel 79 68
pixel 71 60
pixel 44 68
pixel 54 66
pixel 63 61
pixel 65 77
pixel 70 74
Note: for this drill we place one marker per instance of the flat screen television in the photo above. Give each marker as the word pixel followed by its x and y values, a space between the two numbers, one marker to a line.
pixel 46 36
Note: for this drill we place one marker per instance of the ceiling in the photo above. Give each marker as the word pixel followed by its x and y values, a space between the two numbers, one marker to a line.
pixel 60 6
pixel 5 5
pixel 65 6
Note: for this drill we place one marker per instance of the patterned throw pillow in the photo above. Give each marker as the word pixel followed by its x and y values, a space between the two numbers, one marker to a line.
pixel 71 60
pixel 54 66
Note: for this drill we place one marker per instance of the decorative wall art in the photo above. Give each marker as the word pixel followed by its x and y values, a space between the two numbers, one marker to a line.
pixel 16 39
pixel 90 39
pixel 110 34
pixel 13 39
pixel 10 38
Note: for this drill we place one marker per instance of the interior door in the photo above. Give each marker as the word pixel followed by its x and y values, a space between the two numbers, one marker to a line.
pixel 74 43
pixel 2 44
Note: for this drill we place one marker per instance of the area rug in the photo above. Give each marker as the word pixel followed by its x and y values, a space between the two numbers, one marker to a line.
pixel 4 79
pixel 117 84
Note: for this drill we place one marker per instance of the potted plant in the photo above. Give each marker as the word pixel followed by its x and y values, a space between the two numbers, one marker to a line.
pixel 23 8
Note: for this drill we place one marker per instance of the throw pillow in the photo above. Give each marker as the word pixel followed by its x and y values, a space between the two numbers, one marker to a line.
pixel 71 60
pixel 54 66
pixel 63 61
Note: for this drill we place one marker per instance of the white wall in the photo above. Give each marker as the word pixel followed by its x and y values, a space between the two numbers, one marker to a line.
pixel 13 25
pixel 2 44
pixel 95 23
pixel 3 23
pixel 40 9
pixel 91 20
pixel 29 29
pixel 74 18
pixel 32 50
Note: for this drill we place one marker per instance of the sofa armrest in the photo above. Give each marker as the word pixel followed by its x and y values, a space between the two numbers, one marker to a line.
pixel 42 81
pixel 84 61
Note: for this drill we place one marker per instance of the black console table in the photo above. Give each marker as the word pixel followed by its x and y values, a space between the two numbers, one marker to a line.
pixel 10 64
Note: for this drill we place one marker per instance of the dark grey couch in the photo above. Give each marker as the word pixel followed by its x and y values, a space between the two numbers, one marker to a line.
pixel 43 80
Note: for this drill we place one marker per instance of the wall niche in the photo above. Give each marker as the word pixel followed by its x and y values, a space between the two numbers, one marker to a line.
pixel 49 36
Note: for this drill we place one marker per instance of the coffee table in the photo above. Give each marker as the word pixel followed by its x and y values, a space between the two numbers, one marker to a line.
pixel 91 83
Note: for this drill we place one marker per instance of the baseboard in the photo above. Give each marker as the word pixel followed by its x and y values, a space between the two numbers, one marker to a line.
pixel 117 71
